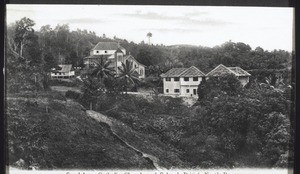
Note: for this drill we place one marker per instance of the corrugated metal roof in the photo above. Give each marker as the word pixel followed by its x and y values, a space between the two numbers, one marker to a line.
pixel 239 71
pixel 65 68
pixel 130 56
pixel 183 72
pixel 192 72
pixel 222 70
pixel 107 46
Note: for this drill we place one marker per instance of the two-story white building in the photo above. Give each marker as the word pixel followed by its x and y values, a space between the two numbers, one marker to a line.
pixel 182 81
pixel 114 53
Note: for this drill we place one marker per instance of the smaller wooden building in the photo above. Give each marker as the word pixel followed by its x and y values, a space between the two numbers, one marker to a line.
pixel 221 70
pixel 63 72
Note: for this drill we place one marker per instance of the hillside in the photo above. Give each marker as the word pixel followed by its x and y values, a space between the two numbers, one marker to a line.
pixel 56 133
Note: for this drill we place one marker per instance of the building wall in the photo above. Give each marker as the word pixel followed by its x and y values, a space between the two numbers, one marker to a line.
pixel 102 52
pixel 244 80
pixel 67 74
pixel 190 82
pixel 182 86
pixel 108 52
pixel 141 71
pixel 171 85
pixel 191 89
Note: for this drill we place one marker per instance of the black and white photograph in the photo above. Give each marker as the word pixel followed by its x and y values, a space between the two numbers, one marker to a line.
pixel 162 89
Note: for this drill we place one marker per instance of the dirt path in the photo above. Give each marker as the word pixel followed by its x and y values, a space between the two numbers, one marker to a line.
pixel 104 119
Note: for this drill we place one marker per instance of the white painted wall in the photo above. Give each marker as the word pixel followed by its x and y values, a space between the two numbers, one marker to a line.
pixel 171 85
pixel 191 92
pixel 182 86
pixel 102 52
pixel 244 80
pixel 190 82
pixel 71 73
pixel 108 52
pixel 141 71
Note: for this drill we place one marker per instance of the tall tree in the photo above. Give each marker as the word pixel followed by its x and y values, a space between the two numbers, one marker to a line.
pixel 23 32
pixel 149 35
pixel 101 69
pixel 128 75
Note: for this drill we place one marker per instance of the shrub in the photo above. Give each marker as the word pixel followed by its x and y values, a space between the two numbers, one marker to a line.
pixel 59 82
pixel 72 95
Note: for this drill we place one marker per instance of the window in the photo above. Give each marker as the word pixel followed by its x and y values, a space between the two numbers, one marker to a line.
pixel 167 90
pixel 195 91
pixel 186 79
pixel 97 51
pixel 168 79
pixel 119 58
pixel 195 78
pixel 187 90
pixel 176 90
pixel 176 79
pixel 141 72
pixel 105 51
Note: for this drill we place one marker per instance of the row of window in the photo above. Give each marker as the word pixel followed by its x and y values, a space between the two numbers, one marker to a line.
pixel 59 73
pixel 98 51
pixel 187 91
pixel 175 90
pixel 186 79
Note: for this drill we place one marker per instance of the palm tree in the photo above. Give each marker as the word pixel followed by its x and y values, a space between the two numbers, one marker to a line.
pixel 101 69
pixel 128 74
pixel 149 35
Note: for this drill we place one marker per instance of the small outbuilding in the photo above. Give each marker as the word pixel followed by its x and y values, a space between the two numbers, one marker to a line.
pixel 63 72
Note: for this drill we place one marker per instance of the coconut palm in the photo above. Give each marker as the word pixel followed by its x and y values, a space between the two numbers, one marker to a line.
pixel 149 35
pixel 101 69
pixel 128 74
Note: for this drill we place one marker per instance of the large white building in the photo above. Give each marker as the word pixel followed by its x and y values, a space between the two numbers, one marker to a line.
pixel 182 81
pixel 116 54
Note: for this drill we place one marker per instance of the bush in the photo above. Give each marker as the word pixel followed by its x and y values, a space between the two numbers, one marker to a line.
pixel 59 82
pixel 72 95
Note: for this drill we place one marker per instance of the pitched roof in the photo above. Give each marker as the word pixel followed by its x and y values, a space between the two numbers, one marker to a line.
pixel 222 70
pixel 239 71
pixel 192 72
pixel 107 46
pixel 119 51
pixel 65 68
pixel 130 56
pixel 183 72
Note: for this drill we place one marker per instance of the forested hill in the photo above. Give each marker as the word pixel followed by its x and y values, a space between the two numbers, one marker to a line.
pixel 61 45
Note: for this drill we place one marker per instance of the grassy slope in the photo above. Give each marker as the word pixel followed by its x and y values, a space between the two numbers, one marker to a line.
pixel 64 137
pixel 149 143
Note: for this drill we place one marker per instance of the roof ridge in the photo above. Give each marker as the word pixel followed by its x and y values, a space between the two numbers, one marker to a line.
pixel 214 69
pixel 197 69
pixel 183 71
pixel 232 71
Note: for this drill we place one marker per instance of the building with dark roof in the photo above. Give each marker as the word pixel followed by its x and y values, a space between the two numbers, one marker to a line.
pixel 221 70
pixel 115 54
pixel 182 81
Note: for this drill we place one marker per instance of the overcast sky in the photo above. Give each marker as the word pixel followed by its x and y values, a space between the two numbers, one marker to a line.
pixel 270 28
